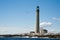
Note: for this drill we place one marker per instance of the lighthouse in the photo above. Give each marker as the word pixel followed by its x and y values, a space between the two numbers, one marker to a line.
pixel 37 29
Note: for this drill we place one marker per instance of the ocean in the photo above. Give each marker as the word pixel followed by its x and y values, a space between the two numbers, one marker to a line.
pixel 8 38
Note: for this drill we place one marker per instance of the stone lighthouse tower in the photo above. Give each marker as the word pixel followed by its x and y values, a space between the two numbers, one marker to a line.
pixel 37 30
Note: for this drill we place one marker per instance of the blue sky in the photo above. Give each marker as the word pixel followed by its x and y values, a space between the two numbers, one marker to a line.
pixel 19 15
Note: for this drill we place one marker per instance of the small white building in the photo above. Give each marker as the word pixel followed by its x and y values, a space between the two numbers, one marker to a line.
pixel 43 31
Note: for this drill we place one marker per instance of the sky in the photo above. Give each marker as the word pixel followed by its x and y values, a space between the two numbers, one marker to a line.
pixel 19 16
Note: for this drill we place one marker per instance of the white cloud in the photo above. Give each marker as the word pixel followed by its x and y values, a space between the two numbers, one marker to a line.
pixel 51 30
pixel 14 30
pixel 56 18
pixel 44 24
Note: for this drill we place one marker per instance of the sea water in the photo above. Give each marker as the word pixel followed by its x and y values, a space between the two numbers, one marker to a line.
pixel 8 38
